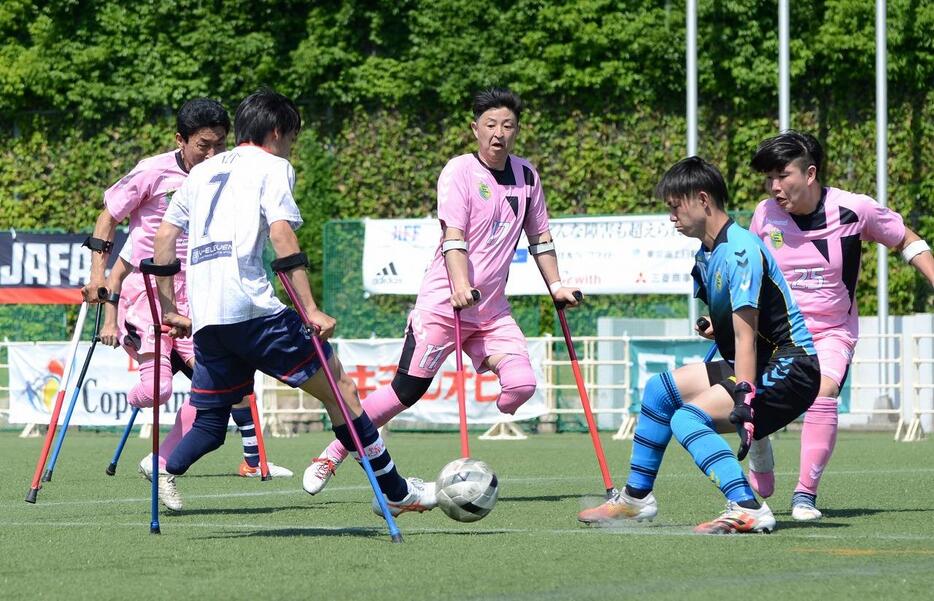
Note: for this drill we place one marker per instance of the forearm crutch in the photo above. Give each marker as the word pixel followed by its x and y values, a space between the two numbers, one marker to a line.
pixel 57 409
pixel 258 428
pixel 460 384
pixel 394 533
pixel 148 268
pixel 582 390
pixel 112 468
pixel 47 476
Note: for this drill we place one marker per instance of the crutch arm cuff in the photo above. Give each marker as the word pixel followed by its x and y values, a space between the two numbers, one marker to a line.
pixel 542 247
pixel 290 262
pixel 148 267
pixel 98 245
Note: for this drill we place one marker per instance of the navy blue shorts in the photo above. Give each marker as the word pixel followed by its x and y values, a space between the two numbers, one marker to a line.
pixel 227 356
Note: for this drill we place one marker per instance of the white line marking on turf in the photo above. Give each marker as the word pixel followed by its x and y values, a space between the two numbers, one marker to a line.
pixel 630 530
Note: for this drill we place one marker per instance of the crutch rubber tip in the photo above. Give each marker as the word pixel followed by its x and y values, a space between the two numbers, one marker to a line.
pixel 111 469
pixel 266 478
pixel 31 495
pixel 397 538
pixel 154 528
pixel 47 476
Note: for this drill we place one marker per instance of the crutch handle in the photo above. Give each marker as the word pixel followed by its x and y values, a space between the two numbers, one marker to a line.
pixel 702 324
pixel 560 304
pixel 475 294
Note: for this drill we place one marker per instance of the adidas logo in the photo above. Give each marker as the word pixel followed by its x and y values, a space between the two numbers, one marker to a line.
pixel 388 270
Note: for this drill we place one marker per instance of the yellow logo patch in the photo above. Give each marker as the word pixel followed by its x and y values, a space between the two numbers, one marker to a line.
pixel 777 238
pixel 719 281
pixel 485 191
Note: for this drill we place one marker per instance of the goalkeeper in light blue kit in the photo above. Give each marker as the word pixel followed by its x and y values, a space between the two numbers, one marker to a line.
pixel 769 376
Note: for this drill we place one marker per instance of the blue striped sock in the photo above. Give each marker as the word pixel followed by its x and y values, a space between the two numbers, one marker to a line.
pixel 390 482
pixel 244 419
pixel 660 400
pixel 695 431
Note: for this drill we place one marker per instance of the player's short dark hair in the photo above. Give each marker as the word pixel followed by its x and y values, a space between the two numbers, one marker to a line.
pixel 198 113
pixel 776 152
pixel 495 98
pixel 263 112
pixel 689 177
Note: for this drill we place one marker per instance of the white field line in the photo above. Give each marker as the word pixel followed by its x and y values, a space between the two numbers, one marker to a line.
pixel 506 481
pixel 376 530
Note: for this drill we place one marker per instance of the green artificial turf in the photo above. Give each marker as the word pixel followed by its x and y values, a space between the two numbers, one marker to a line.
pixel 88 535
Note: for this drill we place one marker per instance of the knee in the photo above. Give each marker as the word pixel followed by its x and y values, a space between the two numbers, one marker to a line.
pixel 409 389
pixel 660 395
pixel 689 423
pixel 517 381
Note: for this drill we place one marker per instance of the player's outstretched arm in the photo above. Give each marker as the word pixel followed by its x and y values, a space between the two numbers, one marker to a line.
pixel 918 254
pixel 547 261
pixel 454 248
pixel 285 243
pixel 100 242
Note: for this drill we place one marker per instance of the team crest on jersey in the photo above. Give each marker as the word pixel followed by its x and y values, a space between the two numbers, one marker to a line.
pixel 777 238
pixel 718 281
pixel 485 191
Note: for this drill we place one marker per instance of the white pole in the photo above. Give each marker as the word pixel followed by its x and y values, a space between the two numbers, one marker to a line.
pixel 882 288
pixel 691 68
pixel 784 96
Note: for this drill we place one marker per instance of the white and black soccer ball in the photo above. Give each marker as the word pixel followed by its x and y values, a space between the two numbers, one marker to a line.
pixel 467 489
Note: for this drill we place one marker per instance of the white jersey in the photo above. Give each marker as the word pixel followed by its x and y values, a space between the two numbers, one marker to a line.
pixel 226 206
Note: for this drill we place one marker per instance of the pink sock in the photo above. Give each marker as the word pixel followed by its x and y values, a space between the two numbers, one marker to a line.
pixel 818 437
pixel 381 406
pixel 184 420
pixel 141 394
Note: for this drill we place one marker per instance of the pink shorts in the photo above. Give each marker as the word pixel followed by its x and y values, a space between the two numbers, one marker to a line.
pixel 835 353
pixel 134 319
pixel 429 339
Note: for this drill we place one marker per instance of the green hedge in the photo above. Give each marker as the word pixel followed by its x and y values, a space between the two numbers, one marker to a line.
pixel 88 88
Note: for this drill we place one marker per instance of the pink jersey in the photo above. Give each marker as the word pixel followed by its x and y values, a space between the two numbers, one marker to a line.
pixel 819 254
pixel 491 208
pixel 143 195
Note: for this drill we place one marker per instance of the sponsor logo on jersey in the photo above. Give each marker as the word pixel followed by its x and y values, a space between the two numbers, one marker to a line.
pixel 718 281
pixel 485 191
pixel 211 251
pixel 777 238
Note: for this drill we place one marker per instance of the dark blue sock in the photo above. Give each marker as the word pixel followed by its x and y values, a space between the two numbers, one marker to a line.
pixel 660 400
pixel 695 431
pixel 390 482
pixel 243 417
pixel 206 434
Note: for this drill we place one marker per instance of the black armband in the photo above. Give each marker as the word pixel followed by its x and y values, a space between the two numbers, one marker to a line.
pixel 113 298
pixel 98 245
pixel 290 262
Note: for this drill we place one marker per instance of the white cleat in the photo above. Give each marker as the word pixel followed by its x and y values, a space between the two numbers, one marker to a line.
pixel 619 508
pixel 145 467
pixel 740 520
pixel 168 493
pixel 422 497
pixel 276 471
pixel 805 513
pixel 318 474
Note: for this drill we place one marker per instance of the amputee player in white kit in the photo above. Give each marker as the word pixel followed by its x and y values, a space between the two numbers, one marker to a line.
pixel 230 206
pixel 486 199
pixel 142 196
pixel 815 233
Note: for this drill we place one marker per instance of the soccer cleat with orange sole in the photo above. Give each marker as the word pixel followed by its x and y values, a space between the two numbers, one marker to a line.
pixel 740 520
pixel 276 471
pixel 621 507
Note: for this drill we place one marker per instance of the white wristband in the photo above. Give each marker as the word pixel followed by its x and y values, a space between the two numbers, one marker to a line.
pixel 914 249
pixel 453 244
pixel 555 286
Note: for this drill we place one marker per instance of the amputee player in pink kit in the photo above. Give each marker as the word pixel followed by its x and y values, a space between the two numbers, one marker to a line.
pixel 485 200
pixel 143 196
pixel 815 233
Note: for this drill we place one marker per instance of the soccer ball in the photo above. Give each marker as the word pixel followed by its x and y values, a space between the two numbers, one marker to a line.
pixel 467 490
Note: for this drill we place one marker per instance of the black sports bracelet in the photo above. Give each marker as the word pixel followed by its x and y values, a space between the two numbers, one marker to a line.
pixel 114 298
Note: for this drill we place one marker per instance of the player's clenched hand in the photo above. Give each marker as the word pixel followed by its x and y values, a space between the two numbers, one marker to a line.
pixel 90 292
pixel 108 333
pixel 465 297
pixel 567 296
pixel 179 325
pixel 322 323
pixel 704 328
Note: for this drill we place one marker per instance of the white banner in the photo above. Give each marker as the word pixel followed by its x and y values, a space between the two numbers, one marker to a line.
pixel 639 254
pixel 372 364
pixel 36 372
